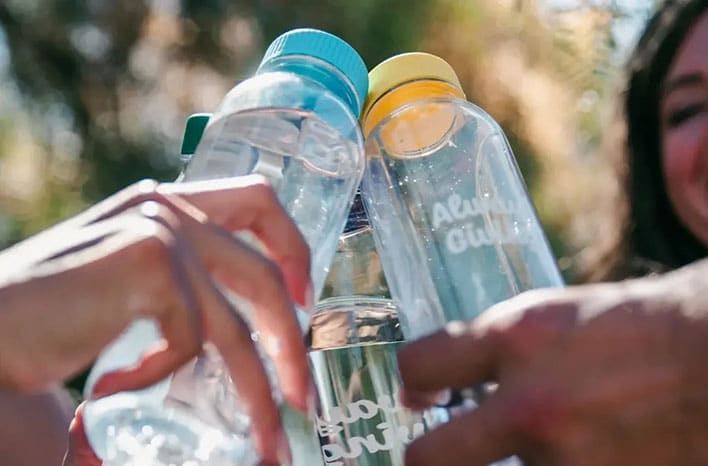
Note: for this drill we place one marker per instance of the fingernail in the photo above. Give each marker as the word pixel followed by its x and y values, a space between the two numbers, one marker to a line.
pixel 285 457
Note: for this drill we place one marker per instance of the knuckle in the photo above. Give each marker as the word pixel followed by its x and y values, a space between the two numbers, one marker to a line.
pixel 534 329
pixel 143 189
pixel 512 343
pixel 457 328
pixel 148 261
pixel 146 191
pixel 537 414
pixel 154 210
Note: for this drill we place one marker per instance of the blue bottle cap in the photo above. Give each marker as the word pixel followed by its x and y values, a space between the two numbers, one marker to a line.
pixel 326 47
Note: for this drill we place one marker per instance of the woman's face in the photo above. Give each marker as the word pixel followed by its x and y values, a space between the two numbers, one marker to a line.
pixel 684 127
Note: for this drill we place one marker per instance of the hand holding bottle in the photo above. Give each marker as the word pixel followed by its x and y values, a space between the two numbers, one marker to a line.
pixel 161 251
pixel 595 375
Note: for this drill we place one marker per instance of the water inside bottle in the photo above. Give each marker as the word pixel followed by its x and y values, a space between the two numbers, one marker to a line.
pixel 360 420
pixel 158 437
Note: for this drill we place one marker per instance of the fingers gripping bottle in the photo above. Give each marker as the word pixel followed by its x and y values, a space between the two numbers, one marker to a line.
pixel 452 218
pixel 172 421
pixel 353 340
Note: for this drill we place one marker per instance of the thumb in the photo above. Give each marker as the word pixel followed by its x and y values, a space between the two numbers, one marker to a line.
pixel 79 452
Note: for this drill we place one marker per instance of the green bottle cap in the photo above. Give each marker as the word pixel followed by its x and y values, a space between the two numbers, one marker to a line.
pixel 193 130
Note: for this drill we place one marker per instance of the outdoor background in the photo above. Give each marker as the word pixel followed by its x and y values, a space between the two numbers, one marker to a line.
pixel 93 94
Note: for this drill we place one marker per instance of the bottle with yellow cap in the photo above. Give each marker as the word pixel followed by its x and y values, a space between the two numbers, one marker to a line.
pixel 453 221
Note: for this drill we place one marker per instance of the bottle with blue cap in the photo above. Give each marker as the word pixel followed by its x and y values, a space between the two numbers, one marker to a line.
pixel 296 123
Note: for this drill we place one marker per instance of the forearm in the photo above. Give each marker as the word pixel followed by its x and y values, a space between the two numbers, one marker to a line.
pixel 23 316
pixel 33 428
pixel 41 319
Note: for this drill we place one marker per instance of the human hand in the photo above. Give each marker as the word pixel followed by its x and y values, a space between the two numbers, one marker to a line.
pixel 598 375
pixel 159 251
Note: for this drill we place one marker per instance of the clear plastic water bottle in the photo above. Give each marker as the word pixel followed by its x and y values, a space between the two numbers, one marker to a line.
pixel 454 224
pixel 451 214
pixel 171 421
pixel 353 340
pixel 296 122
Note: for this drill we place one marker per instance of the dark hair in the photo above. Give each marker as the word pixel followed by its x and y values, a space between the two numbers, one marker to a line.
pixel 651 237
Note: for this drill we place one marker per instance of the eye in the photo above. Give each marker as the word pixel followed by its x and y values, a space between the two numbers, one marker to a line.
pixel 678 117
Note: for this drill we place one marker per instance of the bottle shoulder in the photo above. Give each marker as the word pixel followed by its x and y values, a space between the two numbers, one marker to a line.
pixel 435 116
pixel 289 93
pixel 281 89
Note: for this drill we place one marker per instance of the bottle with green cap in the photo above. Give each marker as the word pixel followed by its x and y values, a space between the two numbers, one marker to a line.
pixel 453 221
pixel 176 418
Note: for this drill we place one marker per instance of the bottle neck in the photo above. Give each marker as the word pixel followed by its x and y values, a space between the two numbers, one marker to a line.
pixel 356 306
pixel 404 94
pixel 318 71
pixel 357 216
pixel 356 269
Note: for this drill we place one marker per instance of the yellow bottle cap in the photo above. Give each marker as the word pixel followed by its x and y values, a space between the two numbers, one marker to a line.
pixel 405 68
